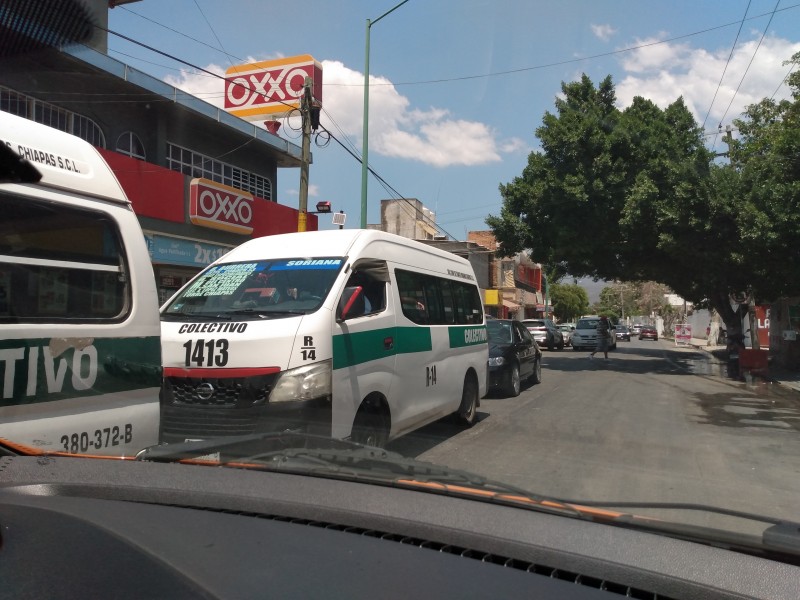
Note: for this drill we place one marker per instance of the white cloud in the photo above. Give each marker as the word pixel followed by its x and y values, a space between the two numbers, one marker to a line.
pixel 604 32
pixel 313 190
pixel 396 129
pixel 663 72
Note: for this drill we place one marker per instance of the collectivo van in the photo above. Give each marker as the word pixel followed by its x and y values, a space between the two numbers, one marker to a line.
pixel 351 333
pixel 80 356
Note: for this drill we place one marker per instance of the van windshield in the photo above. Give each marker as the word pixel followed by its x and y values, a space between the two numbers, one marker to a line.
pixel 265 288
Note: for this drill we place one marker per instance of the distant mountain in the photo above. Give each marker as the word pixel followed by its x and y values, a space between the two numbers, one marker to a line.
pixel 593 288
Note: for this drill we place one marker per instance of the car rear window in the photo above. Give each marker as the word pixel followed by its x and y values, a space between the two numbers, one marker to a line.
pixel 587 324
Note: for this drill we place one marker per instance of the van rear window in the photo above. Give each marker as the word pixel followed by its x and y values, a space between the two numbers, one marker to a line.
pixel 59 263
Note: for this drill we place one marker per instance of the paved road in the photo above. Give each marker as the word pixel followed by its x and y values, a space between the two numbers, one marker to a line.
pixel 653 423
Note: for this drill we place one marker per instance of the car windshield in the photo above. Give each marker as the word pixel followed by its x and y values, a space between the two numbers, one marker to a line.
pixel 456 176
pixel 260 288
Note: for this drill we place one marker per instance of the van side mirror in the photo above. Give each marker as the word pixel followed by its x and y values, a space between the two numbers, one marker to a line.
pixel 351 304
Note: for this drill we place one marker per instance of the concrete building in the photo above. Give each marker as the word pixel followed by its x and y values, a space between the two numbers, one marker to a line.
pixel 200 180
pixel 409 218
pixel 515 283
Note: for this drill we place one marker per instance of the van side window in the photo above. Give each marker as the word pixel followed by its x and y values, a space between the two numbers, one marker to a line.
pixel 431 300
pixel 59 263
pixel 373 292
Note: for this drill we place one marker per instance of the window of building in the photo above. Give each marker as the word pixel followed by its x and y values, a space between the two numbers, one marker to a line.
pixel 51 115
pixel 130 144
pixel 195 164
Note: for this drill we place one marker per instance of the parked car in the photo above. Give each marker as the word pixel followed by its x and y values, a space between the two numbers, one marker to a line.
pixel 514 356
pixel 636 328
pixel 545 332
pixel 648 332
pixel 621 332
pixel 585 335
pixel 566 330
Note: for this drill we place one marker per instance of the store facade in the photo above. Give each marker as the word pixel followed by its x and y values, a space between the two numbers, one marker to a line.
pixel 200 180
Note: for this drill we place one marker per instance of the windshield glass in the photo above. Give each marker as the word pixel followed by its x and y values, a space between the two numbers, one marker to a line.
pixel 271 288
pixel 489 173
pixel 500 332
pixel 587 323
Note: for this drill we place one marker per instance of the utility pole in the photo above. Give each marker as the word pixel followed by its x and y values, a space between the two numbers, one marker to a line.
pixel 305 158
pixel 751 303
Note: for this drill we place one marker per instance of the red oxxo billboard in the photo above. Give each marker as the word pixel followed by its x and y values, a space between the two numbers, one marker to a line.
pixel 220 206
pixel 270 89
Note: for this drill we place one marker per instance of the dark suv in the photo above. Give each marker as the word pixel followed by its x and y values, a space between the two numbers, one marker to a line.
pixel 545 332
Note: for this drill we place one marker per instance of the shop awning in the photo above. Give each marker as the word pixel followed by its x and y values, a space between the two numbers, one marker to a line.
pixel 510 305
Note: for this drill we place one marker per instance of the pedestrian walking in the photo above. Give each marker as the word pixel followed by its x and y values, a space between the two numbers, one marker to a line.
pixel 603 337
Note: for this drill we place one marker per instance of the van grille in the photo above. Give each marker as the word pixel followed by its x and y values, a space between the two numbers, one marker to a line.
pixel 177 422
pixel 233 392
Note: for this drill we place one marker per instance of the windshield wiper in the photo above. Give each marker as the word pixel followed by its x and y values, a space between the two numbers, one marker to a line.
pixel 342 459
pixel 265 313
pixel 780 537
pixel 184 316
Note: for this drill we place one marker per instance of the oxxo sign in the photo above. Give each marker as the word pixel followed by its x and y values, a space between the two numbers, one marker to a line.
pixel 271 88
pixel 219 206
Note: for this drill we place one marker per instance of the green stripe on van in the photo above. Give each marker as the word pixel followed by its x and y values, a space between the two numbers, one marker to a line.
pixel 461 337
pixel 351 349
pixel 31 372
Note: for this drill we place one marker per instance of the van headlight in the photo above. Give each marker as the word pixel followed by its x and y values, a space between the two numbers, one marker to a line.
pixel 497 361
pixel 303 383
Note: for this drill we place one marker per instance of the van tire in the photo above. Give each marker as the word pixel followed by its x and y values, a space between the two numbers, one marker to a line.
pixel 370 428
pixel 468 411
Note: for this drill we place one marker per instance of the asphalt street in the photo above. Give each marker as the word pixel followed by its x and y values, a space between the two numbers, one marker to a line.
pixel 653 423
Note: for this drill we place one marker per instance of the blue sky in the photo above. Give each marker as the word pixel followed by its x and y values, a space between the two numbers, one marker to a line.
pixel 458 87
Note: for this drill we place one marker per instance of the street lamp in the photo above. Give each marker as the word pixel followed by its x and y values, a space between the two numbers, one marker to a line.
pixel 365 131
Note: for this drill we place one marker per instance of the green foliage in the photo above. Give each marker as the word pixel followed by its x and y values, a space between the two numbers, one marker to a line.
pixel 634 194
pixel 569 301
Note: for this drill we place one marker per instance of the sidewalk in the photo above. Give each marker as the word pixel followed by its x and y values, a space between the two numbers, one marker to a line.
pixel 789 379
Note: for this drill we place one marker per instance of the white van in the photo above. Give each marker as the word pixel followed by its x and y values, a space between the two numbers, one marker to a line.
pixel 347 333
pixel 80 356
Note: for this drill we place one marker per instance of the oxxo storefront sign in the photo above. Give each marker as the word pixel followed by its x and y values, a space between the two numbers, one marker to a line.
pixel 220 206
pixel 270 88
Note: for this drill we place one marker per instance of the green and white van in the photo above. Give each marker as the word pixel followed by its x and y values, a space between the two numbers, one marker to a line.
pixel 350 333
pixel 80 356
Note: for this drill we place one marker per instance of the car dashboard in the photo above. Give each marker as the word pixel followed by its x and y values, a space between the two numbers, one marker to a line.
pixel 78 528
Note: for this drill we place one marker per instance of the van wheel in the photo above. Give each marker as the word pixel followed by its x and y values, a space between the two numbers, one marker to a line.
pixel 468 411
pixel 370 428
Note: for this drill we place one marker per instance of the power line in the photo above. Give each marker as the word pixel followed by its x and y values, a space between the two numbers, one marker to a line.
pixel 512 71
pixel 386 186
pixel 728 62
pixel 784 80
pixel 751 60
pixel 572 60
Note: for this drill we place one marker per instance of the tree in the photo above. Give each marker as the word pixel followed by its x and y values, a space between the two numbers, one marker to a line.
pixel 569 301
pixel 634 194
pixel 618 299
